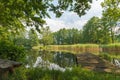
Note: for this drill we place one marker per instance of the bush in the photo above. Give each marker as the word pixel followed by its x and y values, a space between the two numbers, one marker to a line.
pixel 19 74
pixel 10 51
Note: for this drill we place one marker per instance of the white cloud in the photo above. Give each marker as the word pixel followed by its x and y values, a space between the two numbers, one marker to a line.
pixel 96 10
pixel 55 25
pixel 72 20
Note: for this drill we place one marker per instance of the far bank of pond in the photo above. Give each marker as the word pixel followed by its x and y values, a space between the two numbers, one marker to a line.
pixel 92 48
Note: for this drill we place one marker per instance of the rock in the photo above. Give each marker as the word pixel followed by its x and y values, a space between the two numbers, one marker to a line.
pixel 7 66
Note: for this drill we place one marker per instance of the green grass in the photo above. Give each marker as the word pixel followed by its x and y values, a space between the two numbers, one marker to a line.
pixel 77 73
pixel 112 45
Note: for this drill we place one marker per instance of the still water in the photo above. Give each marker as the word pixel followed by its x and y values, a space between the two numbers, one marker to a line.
pixel 51 60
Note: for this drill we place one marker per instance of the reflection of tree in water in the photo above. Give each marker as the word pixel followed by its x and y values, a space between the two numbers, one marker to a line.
pixel 59 58
pixel 31 57
pixel 64 59
pixel 46 55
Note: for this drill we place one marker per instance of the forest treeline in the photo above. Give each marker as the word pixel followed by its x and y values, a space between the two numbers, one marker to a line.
pixel 93 32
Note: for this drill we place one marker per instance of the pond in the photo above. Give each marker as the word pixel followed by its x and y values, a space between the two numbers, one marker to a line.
pixel 50 59
pixel 54 60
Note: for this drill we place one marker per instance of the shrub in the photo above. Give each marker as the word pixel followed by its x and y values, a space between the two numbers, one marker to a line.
pixel 10 51
pixel 19 74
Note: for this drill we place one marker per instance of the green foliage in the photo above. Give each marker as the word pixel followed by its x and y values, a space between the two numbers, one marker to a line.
pixel 47 37
pixel 31 12
pixel 96 31
pixel 32 38
pixel 77 73
pixel 10 51
pixel 19 74
pixel 111 13
pixel 118 38
pixel 3 33
pixel 90 31
pixel 67 36
pixel 111 9
pixel 27 39
pixel 45 74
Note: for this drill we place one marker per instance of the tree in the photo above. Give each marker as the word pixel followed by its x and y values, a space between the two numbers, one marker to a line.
pixel 111 9
pixel 33 38
pixel 46 36
pixel 67 36
pixel 60 36
pixel 3 33
pixel 111 14
pixel 16 13
pixel 90 31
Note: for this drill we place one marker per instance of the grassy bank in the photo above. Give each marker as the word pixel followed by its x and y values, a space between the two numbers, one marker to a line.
pixel 77 48
pixel 93 48
pixel 111 48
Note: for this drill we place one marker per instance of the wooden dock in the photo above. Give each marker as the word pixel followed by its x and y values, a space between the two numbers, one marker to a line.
pixel 94 62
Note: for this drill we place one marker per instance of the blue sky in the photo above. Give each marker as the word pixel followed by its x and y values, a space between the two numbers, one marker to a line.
pixel 72 20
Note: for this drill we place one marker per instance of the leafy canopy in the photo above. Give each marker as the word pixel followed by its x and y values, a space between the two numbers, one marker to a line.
pixel 15 14
pixel 111 9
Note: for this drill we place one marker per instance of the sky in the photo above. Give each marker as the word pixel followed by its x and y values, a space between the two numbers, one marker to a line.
pixel 72 20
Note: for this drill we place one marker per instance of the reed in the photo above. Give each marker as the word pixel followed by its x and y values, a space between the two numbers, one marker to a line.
pixel 111 48
pixel 92 48
pixel 76 48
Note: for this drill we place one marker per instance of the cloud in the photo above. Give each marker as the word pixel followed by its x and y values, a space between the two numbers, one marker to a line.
pixel 72 20
pixel 96 10
pixel 55 25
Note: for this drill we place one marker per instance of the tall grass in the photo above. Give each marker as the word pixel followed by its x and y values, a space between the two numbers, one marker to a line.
pixel 77 48
pixel 77 73
pixel 92 48
pixel 111 48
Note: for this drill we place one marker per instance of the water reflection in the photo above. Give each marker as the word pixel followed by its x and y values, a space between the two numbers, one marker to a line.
pixel 46 64
pixel 116 62
pixel 64 59
pixel 51 60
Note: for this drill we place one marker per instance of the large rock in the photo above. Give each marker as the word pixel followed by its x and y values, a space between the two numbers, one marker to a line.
pixel 7 66
pixel 94 62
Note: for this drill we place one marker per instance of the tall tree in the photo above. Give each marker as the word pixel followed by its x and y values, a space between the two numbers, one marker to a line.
pixel 111 14
pixel 33 38
pixel 90 31
pixel 46 36
pixel 111 9
pixel 67 36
